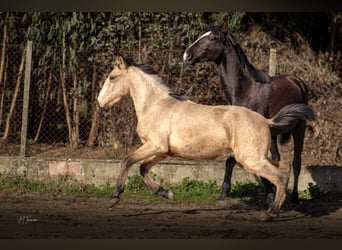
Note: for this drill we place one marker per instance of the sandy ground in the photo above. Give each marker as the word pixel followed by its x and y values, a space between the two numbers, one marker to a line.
pixel 33 216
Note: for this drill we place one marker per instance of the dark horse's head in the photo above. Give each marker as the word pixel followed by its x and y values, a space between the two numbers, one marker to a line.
pixel 209 47
pixel 216 44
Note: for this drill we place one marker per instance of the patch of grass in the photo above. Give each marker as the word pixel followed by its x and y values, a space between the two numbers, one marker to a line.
pixel 136 183
pixel 243 189
pixel 317 193
pixel 135 187
pixel 113 155
pixel 64 185
pixel 195 190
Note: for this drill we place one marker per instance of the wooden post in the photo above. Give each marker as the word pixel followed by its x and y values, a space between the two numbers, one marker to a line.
pixel 27 82
pixel 273 62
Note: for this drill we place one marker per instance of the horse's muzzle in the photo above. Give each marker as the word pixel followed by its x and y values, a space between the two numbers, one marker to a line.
pixel 187 57
pixel 104 107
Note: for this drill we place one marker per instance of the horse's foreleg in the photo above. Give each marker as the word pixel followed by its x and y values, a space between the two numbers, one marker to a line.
pixel 144 152
pixel 298 139
pixel 230 163
pixel 119 187
pixel 157 189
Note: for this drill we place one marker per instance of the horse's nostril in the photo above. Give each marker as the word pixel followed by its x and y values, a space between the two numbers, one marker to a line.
pixel 187 56
pixel 105 107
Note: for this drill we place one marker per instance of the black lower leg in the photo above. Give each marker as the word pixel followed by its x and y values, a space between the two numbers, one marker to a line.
pixel 119 189
pixel 269 187
pixel 296 172
pixel 298 140
pixel 161 192
pixel 230 163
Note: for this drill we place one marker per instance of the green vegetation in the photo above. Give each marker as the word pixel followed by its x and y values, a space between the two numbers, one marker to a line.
pixel 317 193
pixel 186 190
pixel 64 185
pixel 195 190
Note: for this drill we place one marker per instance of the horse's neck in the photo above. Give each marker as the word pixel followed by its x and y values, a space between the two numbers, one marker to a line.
pixel 145 94
pixel 232 77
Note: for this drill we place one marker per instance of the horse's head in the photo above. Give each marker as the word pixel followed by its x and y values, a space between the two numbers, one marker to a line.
pixel 208 47
pixel 115 86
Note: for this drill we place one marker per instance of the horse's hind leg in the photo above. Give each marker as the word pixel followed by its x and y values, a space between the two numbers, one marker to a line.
pixel 230 163
pixel 269 188
pixel 298 133
pixel 156 189
pixel 283 175
pixel 278 176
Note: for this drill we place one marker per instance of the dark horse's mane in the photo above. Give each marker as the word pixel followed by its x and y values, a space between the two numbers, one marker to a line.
pixel 246 66
pixel 149 70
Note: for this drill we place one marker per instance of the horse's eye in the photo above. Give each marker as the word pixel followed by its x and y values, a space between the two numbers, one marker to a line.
pixel 111 78
pixel 212 38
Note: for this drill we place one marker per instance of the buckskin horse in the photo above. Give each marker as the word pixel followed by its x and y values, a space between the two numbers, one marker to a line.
pixel 170 125
pixel 246 86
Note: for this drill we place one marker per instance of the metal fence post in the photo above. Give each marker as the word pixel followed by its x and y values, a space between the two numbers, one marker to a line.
pixel 273 62
pixel 26 99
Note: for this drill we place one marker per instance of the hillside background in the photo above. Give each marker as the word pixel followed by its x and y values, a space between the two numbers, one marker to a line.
pixel 73 52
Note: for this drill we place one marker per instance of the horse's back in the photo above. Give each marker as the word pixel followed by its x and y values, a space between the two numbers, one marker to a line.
pixel 208 132
pixel 285 90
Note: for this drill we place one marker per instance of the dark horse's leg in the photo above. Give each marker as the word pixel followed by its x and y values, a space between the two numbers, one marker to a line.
pixel 230 162
pixel 298 133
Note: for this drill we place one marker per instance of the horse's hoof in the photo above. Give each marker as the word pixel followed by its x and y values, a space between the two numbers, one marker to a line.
pixel 113 202
pixel 223 198
pixel 295 200
pixel 270 199
pixel 170 195
pixel 267 216
pixel 273 211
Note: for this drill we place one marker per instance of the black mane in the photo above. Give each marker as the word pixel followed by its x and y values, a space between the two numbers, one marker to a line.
pixel 258 75
pixel 247 67
pixel 144 67
pixel 149 70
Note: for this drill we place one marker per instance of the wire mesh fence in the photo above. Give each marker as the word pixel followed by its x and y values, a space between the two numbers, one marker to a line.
pixel 64 86
pixel 63 117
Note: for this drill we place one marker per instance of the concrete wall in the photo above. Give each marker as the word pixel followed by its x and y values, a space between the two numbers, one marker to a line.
pixel 100 172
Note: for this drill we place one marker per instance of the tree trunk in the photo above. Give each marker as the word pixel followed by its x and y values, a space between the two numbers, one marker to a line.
pixel 75 115
pixel 96 114
pixel 139 39
pixel 46 101
pixel 94 127
pixel 3 50
pixel 3 87
pixel 2 66
pixel 64 92
pixel 14 98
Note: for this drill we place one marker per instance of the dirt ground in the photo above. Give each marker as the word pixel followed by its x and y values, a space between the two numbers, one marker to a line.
pixel 32 216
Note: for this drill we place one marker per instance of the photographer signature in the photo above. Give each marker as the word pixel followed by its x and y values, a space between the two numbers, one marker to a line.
pixel 23 220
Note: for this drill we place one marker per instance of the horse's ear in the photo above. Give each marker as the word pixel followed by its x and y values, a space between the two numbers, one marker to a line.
pixel 120 61
pixel 224 28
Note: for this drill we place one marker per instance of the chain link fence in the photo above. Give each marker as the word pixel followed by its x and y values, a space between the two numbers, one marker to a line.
pixel 63 117
pixel 62 111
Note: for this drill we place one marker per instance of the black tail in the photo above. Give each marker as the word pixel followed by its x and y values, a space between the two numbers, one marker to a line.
pixel 289 115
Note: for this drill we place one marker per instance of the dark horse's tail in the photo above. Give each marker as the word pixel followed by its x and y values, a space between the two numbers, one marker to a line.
pixel 289 116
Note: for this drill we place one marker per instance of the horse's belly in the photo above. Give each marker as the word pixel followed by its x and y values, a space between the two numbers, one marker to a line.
pixel 201 148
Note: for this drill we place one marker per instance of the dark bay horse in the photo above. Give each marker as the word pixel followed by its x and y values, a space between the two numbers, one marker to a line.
pixel 169 125
pixel 246 86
